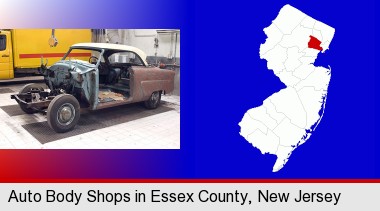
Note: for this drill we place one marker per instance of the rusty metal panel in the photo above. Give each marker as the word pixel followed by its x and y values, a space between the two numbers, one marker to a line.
pixel 146 80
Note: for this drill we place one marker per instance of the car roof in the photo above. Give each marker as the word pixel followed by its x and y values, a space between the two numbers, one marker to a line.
pixel 115 47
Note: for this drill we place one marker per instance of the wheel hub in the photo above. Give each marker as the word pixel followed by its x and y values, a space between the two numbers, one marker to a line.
pixel 66 114
pixel 155 96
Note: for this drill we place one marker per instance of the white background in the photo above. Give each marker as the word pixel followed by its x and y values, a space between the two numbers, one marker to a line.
pixel 353 197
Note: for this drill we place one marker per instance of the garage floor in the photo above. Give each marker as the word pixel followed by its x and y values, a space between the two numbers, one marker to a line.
pixel 124 127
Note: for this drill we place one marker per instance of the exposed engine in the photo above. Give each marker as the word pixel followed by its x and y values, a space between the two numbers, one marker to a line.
pixel 58 78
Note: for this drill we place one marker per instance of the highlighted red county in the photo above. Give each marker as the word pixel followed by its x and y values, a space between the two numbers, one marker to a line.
pixel 315 43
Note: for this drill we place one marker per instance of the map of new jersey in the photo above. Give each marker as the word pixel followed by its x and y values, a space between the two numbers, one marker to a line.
pixel 288 118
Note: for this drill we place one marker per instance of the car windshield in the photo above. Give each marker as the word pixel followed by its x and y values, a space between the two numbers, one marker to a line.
pixel 87 57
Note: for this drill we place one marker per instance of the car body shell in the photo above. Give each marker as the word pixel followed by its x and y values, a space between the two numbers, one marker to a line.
pixel 81 79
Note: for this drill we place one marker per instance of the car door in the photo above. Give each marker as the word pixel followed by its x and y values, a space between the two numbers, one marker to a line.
pixel 5 56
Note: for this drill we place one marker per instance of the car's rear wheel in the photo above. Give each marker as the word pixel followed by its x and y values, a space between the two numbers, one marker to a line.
pixel 63 113
pixel 28 88
pixel 154 100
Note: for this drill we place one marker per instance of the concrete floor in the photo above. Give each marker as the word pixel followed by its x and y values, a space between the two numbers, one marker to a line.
pixel 157 131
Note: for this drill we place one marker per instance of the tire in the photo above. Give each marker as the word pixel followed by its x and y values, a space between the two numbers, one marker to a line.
pixel 154 100
pixel 63 113
pixel 25 89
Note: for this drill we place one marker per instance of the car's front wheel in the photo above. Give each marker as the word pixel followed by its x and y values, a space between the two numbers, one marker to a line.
pixel 63 113
pixel 154 100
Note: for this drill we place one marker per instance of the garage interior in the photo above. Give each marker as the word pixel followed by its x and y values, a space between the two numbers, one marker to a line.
pixel 122 127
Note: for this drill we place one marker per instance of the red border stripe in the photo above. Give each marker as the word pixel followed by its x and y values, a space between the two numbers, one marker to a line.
pixel 12 180
pixel 50 55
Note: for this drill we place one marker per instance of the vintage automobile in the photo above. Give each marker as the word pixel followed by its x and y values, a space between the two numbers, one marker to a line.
pixel 114 75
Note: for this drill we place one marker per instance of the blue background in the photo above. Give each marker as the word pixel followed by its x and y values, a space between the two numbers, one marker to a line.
pixel 222 77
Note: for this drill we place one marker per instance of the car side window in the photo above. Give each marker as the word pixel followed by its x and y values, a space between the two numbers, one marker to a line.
pixel 125 57
pixel 3 42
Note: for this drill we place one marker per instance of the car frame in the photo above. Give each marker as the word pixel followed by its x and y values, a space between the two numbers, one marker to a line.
pixel 75 84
